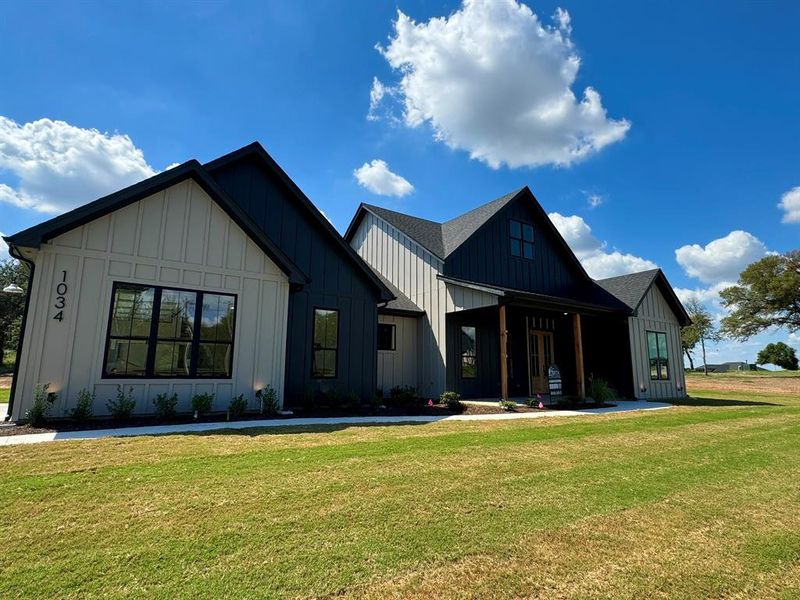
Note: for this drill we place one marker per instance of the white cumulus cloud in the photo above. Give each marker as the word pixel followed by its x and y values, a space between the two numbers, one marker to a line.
pixel 378 179
pixel 493 80
pixel 58 166
pixel 592 252
pixel 3 247
pixel 722 259
pixel 790 204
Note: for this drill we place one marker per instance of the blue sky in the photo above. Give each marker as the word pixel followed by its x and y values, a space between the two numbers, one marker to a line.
pixel 699 138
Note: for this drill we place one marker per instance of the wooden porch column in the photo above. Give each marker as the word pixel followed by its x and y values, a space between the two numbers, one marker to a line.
pixel 503 354
pixel 576 328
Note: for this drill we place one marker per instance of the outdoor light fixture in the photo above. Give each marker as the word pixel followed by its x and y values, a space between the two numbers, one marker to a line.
pixel 13 289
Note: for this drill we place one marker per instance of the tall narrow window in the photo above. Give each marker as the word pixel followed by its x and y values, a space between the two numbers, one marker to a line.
pixel 161 332
pixel 129 331
pixel 469 353
pixel 521 239
pixel 386 336
pixel 326 343
pixel 657 353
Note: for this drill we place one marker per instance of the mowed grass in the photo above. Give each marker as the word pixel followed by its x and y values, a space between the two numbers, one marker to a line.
pixel 699 501
pixel 4 394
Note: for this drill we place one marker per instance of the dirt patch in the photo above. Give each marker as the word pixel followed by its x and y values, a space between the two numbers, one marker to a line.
pixel 5 382
pixel 744 383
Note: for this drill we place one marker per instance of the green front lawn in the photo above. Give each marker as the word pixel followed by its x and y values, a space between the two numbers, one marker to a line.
pixel 4 394
pixel 697 501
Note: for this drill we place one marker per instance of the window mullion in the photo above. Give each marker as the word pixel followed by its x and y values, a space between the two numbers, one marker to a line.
pixel 195 352
pixel 155 315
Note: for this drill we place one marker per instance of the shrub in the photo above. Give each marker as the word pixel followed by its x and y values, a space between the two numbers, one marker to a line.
pixel 83 406
pixel 508 405
pixel 237 406
pixel 122 406
pixel 353 401
pixel 165 405
pixel 42 404
pixel 334 399
pixel 405 398
pixel 268 398
pixel 453 401
pixel 202 403
pixel 601 391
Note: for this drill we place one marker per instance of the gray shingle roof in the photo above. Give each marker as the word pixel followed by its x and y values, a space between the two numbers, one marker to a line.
pixel 630 288
pixel 442 239
pixel 401 302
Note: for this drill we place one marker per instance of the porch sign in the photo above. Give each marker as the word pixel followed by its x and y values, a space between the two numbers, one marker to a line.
pixel 554 382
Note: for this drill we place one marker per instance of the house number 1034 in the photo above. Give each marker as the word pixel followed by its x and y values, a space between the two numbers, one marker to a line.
pixel 61 297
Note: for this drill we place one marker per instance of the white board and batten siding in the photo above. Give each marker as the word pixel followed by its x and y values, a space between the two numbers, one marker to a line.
pixel 654 314
pixel 413 269
pixel 400 367
pixel 175 238
pixel 415 272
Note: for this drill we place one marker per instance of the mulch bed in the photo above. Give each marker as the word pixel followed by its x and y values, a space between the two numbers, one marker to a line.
pixel 57 425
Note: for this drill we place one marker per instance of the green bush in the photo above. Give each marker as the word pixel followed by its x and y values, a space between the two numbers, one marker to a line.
pixel 237 406
pixel 453 401
pixel 508 405
pixel 122 406
pixel 404 398
pixel 166 405
pixel 43 402
pixel 83 406
pixel 353 401
pixel 202 403
pixel 601 391
pixel 268 398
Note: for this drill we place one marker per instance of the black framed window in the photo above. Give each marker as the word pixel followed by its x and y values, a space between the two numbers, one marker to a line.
pixel 326 343
pixel 521 239
pixel 657 353
pixel 159 332
pixel 386 336
pixel 469 352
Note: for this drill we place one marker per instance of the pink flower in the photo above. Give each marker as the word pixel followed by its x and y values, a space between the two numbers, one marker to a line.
pixel 541 405
pixel 430 402
pixel 539 397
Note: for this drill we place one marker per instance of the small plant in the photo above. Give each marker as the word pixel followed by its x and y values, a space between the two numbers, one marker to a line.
pixel 601 391
pixel 508 405
pixel 83 406
pixel 202 403
pixel 122 406
pixel 237 406
pixel 268 399
pixel 353 401
pixel 334 399
pixel 453 401
pixel 42 404
pixel 165 405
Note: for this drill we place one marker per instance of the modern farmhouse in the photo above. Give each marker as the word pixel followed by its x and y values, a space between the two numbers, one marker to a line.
pixel 225 278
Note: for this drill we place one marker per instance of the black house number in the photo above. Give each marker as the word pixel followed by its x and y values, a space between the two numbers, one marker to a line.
pixel 61 297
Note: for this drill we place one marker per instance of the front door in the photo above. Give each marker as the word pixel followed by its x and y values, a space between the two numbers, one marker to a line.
pixel 540 344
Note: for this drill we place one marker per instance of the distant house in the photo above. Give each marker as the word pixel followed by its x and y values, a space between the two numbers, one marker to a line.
pixel 487 301
pixel 728 367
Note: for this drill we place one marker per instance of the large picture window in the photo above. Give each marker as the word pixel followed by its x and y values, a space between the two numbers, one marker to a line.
pixel 469 353
pixel 521 239
pixel 657 352
pixel 163 332
pixel 326 343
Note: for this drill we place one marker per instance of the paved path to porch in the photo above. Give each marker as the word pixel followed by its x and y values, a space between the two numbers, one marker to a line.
pixel 36 438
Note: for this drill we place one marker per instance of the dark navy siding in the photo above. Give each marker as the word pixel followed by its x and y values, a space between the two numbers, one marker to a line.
pixel 486 257
pixel 336 282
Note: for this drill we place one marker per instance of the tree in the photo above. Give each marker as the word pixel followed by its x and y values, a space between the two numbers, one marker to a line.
pixel 701 329
pixel 778 354
pixel 11 305
pixel 766 295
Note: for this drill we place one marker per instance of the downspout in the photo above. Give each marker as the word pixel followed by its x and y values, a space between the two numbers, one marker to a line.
pixel 15 378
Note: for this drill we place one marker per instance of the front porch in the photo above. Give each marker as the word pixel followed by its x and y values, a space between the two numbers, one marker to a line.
pixel 530 337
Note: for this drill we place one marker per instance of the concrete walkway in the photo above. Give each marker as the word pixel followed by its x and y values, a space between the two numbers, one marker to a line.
pixel 36 438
